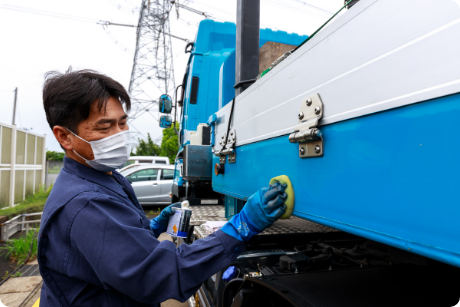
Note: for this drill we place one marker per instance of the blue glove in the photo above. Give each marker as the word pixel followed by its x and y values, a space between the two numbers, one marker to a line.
pixel 160 223
pixel 262 209
pixel 229 274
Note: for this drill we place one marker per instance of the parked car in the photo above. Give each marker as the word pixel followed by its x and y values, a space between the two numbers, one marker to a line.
pixel 146 160
pixel 129 168
pixel 151 183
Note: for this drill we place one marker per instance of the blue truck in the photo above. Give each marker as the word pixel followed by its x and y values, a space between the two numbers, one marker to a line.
pixel 362 117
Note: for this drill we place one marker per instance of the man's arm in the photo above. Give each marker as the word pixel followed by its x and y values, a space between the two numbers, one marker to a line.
pixel 127 257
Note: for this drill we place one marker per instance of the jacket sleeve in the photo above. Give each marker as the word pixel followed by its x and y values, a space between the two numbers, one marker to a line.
pixel 126 257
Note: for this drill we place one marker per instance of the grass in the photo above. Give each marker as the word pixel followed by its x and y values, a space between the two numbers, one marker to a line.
pixel 32 203
pixel 18 249
pixel 17 274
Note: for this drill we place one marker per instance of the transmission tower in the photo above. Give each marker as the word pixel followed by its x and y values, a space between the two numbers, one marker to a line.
pixel 153 72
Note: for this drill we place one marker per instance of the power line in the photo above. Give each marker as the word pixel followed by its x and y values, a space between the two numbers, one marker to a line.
pixel 122 8
pixel 47 13
pixel 109 23
pixel 313 6
pixel 104 23
pixel 115 41
pixel 297 9
pixel 191 9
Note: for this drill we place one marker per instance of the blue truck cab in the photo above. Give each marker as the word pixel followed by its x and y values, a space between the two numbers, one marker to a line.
pixel 207 87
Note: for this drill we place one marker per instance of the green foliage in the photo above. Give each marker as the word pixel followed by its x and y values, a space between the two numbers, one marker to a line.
pixel 32 203
pixel 6 275
pixel 146 148
pixel 18 249
pixel 54 170
pixel 54 155
pixel 169 144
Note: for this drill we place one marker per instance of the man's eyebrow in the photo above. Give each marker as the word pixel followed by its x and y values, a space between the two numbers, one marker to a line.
pixel 105 121
pixel 109 120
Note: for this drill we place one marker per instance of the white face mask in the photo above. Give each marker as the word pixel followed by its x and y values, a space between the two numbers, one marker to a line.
pixel 110 153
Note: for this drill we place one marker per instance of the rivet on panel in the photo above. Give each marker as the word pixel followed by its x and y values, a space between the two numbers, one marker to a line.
pixel 317 149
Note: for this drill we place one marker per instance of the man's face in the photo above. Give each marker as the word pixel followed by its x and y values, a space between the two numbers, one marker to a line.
pixel 98 125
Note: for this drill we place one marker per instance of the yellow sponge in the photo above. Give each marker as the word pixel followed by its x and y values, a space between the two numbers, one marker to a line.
pixel 290 194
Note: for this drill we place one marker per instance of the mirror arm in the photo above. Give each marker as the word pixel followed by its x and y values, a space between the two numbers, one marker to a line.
pixel 175 114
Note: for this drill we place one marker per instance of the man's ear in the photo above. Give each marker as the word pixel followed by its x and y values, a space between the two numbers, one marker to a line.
pixel 62 135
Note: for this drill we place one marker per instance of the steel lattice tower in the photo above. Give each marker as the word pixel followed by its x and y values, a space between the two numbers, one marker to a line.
pixel 153 72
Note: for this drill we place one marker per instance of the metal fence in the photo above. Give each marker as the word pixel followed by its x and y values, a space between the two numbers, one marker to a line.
pixel 22 164
pixel 19 223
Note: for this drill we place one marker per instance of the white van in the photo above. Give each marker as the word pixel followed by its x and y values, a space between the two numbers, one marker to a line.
pixel 146 160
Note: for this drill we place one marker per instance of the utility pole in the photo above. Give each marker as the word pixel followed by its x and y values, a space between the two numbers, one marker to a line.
pixel 153 73
pixel 14 107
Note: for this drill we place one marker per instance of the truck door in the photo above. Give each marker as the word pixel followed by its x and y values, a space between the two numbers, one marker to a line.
pixel 145 185
pixel 165 182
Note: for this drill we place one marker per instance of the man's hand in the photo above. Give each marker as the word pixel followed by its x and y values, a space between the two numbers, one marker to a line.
pixel 262 209
pixel 160 223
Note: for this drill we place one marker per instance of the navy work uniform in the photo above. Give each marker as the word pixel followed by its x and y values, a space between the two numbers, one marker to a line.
pixel 96 247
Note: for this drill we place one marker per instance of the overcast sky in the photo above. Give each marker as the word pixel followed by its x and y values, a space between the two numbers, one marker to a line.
pixel 34 42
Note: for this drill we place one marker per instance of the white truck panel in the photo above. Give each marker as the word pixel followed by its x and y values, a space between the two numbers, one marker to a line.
pixel 379 55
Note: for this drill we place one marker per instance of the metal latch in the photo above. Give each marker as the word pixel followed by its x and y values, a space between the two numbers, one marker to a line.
pixel 306 132
pixel 227 149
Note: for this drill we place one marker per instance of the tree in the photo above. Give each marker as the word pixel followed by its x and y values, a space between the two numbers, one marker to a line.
pixel 169 143
pixel 54 155
pixel 146 148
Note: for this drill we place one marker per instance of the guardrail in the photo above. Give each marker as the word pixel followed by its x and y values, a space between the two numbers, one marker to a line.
pixel 17 224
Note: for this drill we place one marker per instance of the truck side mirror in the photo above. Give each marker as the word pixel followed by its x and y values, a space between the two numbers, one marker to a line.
pixel 165 121
pixel 165 104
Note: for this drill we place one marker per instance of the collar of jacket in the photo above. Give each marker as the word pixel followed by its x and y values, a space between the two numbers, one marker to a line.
pixel 93 175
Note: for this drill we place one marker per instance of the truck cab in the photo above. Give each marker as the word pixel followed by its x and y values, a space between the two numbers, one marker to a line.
pixel 208 85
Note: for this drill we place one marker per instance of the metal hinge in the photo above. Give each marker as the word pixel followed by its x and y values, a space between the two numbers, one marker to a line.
pixel 227 149
pixel 306 132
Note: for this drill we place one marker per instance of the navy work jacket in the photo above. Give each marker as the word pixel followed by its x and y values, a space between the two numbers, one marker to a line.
pixel 96 247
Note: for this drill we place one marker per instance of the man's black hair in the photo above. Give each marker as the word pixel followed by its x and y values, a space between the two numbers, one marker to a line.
pixel 67 97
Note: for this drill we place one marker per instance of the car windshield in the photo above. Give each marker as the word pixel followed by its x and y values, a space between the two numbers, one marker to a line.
pixel 148 174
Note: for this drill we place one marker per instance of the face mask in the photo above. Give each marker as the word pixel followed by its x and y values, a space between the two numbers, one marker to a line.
pixel 110 153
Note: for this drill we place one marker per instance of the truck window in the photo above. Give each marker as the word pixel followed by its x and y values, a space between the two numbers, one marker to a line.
pixel 160 162
pixel 194 91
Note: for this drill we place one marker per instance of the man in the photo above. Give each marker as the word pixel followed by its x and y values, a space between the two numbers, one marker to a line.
pixel 97 248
